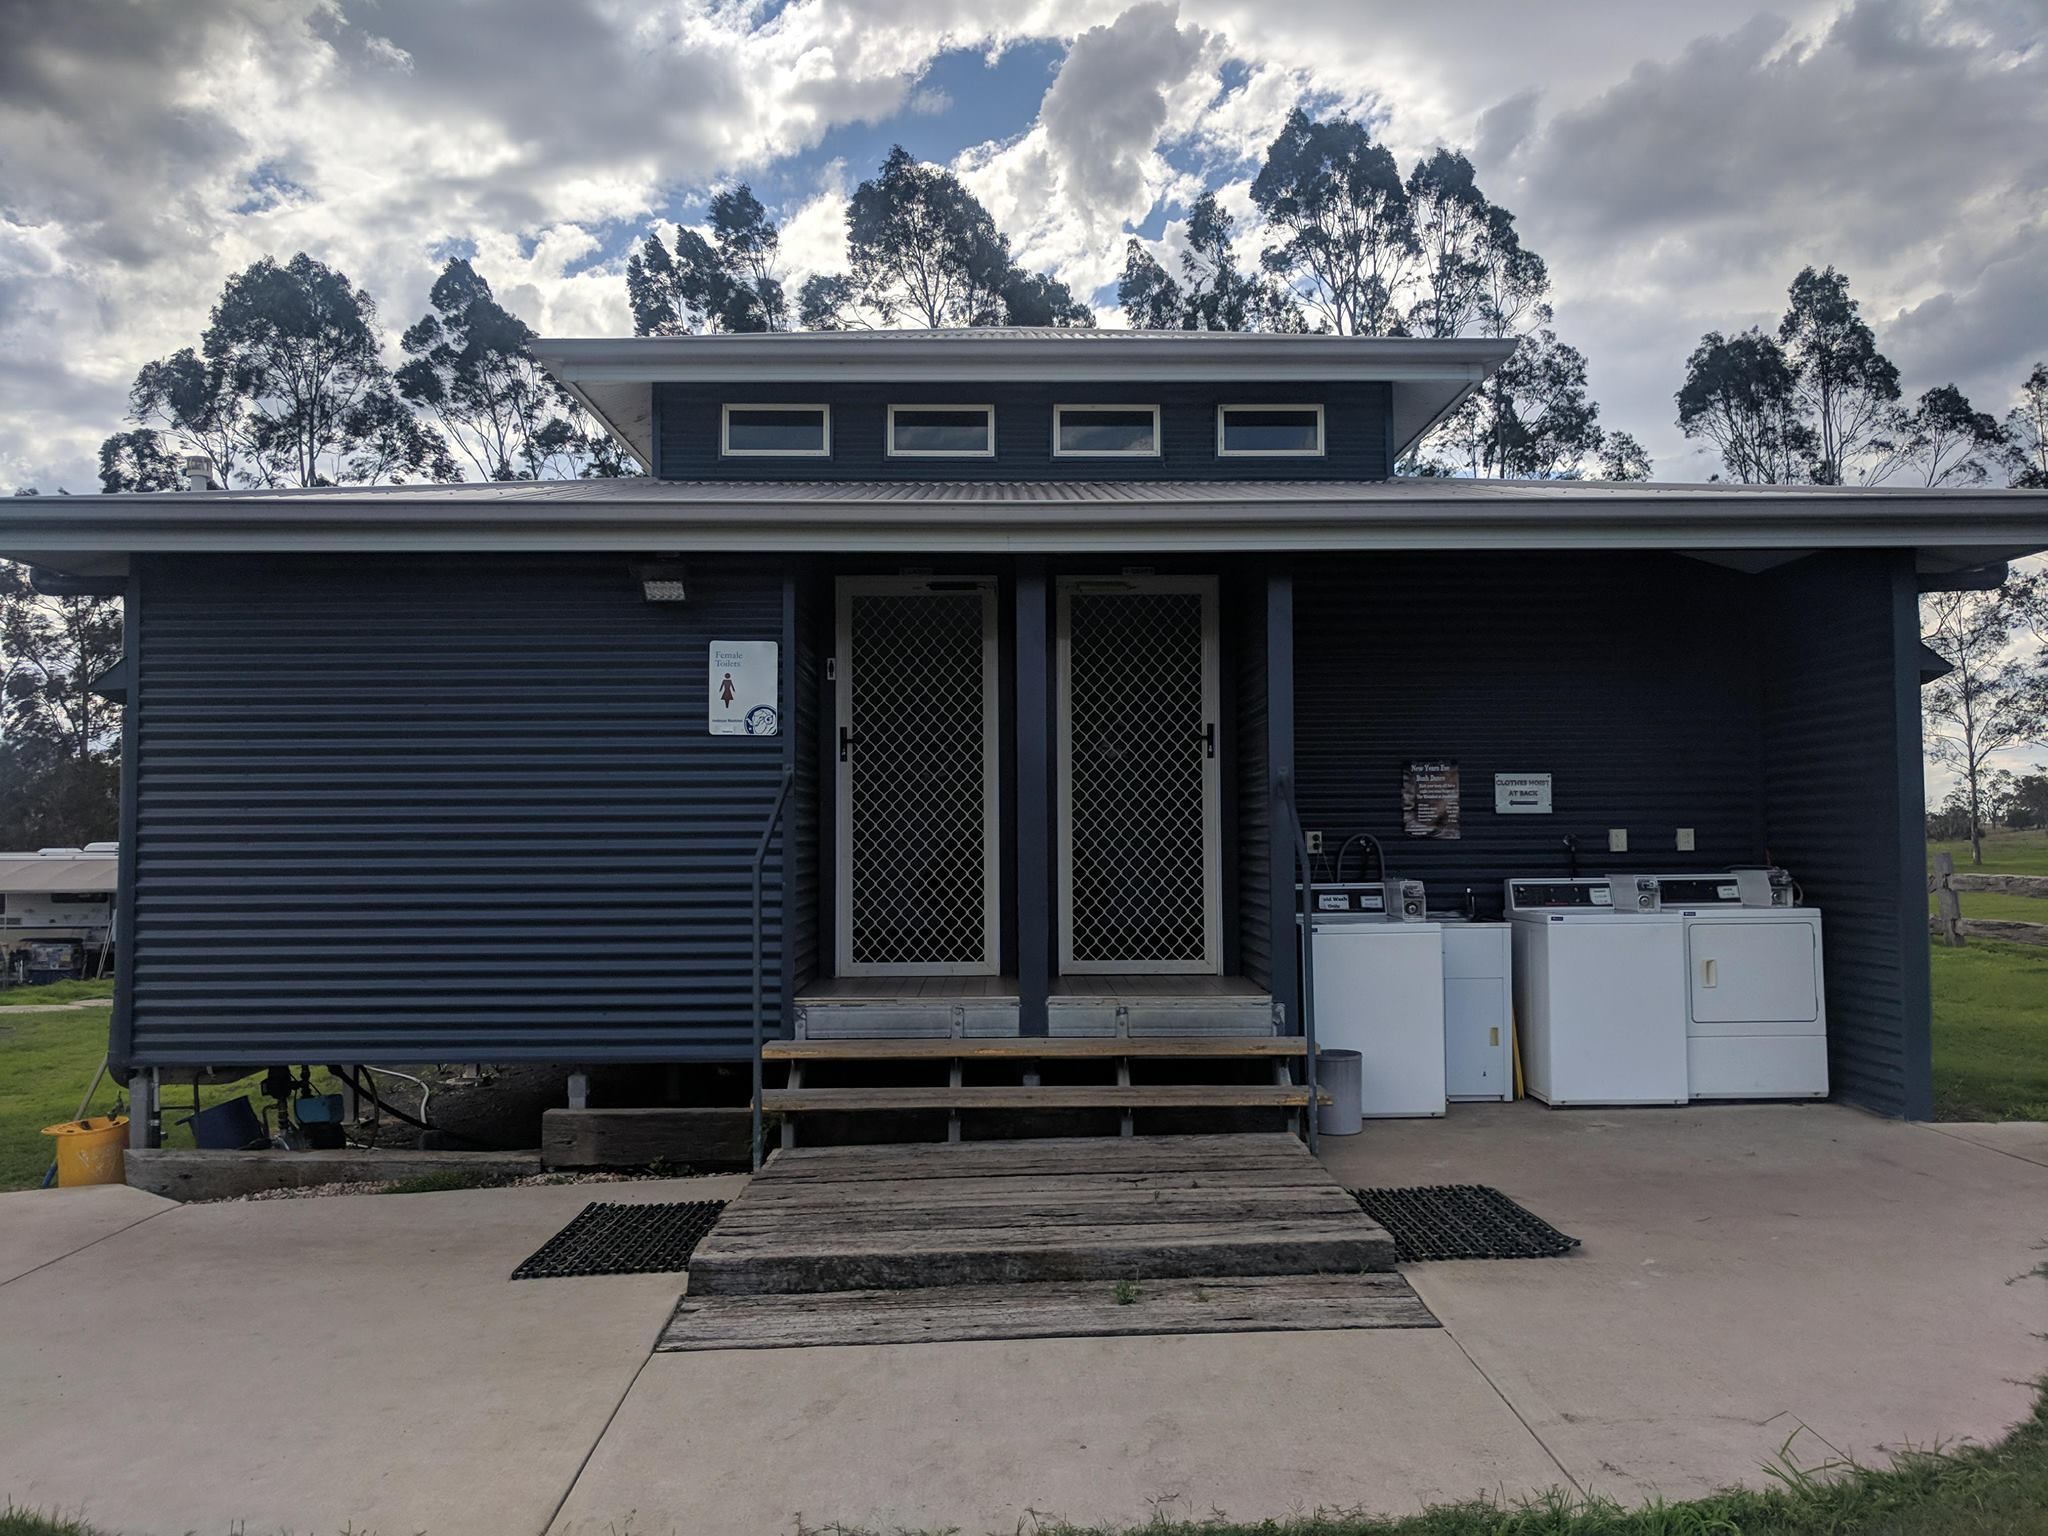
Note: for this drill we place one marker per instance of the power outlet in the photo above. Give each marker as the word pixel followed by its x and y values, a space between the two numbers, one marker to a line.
pixel 1685 840
pixel 1314 841
pixel 1617 839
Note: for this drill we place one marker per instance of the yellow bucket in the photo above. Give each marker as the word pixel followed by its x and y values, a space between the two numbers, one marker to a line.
pixel 90 1151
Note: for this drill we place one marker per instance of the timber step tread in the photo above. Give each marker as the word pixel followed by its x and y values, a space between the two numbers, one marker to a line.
pixel 1045 1310
pixel 788 1101
pixel 1041 1048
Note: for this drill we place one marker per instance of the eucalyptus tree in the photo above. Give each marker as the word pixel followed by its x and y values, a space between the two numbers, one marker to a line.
pixel 731 282
pixel 1740 394
pixel 2026 428
pixel 137 460
pixel 1992 697
pixel 1623 458
pixel 1534 420
pixel 1846 388
pixel 1346 231
pixel 59 741
pixel 285 384
pixel 1940 440
pixel 471 368
pixel 1212 293
pixel 923 251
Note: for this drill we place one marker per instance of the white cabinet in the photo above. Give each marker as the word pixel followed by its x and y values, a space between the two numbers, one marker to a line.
pixel 1478 1012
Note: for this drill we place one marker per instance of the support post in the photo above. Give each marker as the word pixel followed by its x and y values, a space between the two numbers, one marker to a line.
pixel 1033 745
pixel 145 1114
pixel 1948 904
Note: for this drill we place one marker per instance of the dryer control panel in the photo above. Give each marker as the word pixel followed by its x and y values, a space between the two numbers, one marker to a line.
pixel 1559 896
pixel 1673 893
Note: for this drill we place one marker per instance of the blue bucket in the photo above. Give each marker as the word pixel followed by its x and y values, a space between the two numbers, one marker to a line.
pixel 228 1127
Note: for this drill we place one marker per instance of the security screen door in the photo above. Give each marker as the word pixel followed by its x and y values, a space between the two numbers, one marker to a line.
pixel 1139 812
pixel 918 810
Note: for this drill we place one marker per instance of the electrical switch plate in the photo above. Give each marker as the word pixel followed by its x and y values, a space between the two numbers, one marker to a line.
pixel 1685 840
pixel 1617 839
pixel 1314 841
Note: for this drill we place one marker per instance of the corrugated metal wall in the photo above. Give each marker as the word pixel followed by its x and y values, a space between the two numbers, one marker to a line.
pixel 1355 433
pixel 1630 678
pixel 807 862
pixel 1245 611
pixel 444 809
pixel 1842 780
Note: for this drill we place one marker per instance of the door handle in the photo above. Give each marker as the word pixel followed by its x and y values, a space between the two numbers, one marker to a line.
pixel 846 739
pixel 1209 739
pixel 1710 973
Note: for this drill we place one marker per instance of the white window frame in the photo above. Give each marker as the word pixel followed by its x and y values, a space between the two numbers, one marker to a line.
pixel 1222 414
pixel 727 451
pixel 988 413
pixel 1127 407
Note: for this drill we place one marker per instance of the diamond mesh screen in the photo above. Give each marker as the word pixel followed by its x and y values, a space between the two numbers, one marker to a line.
pixel 1135 718
pixel 918 776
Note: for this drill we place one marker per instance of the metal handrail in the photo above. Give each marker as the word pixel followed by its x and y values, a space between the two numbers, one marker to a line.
pixel 1284 792
pixel 760 866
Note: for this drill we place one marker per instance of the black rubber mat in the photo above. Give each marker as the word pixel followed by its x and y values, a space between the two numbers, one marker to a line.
pixel 612 1239
pixel 1461 1221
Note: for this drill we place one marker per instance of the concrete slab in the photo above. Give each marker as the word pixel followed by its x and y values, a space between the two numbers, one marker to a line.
pixel 1747 1270
pixel 349 1362
pixel 979 1436
pixel 2024 1139
pixel 39 1226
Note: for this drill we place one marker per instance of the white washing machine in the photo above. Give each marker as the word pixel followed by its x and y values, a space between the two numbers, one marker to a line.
pixel 1756 1002
pixel 1599 995
pixel 1379 989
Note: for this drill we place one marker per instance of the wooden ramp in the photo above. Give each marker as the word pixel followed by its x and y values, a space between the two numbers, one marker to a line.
pixel 1001 1212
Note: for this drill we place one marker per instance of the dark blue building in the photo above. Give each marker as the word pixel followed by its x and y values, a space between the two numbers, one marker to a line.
pixel 1039 640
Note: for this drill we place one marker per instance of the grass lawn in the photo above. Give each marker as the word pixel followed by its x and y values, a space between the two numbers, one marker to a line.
pixel 1991 1032
pixel 1999 907
pixel 56 992
pixel 2005 853
pixel 46 1059
pixel 2000 1491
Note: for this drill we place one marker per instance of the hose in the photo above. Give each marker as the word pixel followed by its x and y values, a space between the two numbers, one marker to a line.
pixel 350 1076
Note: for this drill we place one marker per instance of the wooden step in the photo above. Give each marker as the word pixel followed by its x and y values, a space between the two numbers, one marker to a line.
pixel 1047 1310
pixel 791 1101
pixel 1040 1048
pixel 1006 1213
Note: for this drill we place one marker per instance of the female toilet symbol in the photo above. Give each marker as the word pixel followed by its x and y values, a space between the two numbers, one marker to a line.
pixel 725 691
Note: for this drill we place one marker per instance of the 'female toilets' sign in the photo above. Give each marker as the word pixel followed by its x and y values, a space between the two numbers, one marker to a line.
pixel 745 687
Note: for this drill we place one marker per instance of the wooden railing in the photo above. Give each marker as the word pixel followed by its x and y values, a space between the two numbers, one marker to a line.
pixel 1949 885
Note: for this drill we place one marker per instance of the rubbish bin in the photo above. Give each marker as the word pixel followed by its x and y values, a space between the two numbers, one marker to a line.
pixel 90 1151
pixel 1341 1074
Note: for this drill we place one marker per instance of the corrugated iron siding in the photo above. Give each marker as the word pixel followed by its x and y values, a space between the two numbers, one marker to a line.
pixel 1630 678
pixel 1355 430
pixel 1246 610
pixel 444 809
pixel 1842 782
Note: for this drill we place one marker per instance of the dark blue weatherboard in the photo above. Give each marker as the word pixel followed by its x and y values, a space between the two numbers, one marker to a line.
pixel 1245 613
pixel 443 809
pixel 1842 781
pixel 1355 427
pixel 1633 679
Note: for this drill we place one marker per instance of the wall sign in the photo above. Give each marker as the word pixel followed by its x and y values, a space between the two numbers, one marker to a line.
pixel 1429 798
pixel 1521 794
pixel 745 688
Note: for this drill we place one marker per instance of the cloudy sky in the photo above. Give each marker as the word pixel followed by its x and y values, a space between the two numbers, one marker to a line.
pixel 1675 162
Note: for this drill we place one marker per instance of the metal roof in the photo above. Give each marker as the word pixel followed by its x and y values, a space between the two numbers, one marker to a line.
pixel 615 375
pixel 39 873
pixel 1954 529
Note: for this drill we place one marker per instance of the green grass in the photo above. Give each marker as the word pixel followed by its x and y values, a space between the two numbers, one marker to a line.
pixel 1990 1032
pixel 2005 853
pixel 1999 907
pixel 56 992
pixel 46 1059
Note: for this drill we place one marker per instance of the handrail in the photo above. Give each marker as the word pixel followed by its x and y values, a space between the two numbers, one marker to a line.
pixel 760 866
pixel 1284 792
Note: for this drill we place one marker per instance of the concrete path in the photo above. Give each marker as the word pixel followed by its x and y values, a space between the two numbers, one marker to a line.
pixel 314 1365
pixel 1751 1275
pixel 41 1226
pixel 363 1362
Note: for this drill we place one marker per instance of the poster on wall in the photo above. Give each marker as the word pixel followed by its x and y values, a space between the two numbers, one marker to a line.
pixel 1429 798
pixel 744 688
